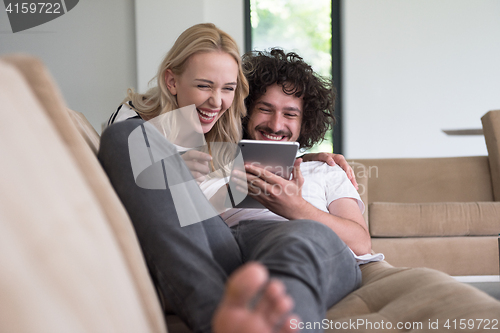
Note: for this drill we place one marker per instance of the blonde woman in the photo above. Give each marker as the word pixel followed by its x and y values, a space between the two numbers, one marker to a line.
pixel 203 68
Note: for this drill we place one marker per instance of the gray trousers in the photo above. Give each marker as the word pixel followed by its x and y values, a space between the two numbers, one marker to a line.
pixel 189 265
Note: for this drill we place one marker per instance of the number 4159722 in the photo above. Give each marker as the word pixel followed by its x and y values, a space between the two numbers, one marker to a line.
pixel 34 7
pixel 462 324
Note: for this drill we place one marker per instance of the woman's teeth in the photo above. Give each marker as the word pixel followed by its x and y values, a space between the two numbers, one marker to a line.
pixel 272 137
pixel 207 115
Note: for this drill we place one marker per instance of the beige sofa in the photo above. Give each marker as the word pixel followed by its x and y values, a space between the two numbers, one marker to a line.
pixel 441 213
pixel 69 258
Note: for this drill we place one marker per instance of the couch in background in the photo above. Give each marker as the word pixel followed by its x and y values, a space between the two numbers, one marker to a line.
pixel 441 213
pixel 69 257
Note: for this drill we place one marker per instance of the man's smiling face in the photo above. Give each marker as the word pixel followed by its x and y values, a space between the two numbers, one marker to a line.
pixel 276 116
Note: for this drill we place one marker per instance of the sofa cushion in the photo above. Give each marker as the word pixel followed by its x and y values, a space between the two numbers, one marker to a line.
pixel 414 297
pixel 62 268
pixel 434 219
pixel 468 255
pixel 407 180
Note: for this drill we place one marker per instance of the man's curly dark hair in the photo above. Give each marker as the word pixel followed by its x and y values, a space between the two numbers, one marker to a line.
pixel 263 69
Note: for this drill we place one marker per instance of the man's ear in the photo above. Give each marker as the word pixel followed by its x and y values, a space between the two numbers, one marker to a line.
pixel 171 81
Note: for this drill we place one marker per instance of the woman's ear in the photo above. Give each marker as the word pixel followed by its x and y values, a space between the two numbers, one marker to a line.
pixel 171 82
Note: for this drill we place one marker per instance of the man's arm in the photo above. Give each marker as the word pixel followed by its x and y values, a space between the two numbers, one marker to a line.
pixel 346 220
pixel 333 159
pixel 284 197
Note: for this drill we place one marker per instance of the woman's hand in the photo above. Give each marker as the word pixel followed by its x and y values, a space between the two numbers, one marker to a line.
pixel 333 159
pixel 198 163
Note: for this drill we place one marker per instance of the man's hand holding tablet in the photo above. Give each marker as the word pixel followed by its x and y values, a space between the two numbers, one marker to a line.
pixel 269 156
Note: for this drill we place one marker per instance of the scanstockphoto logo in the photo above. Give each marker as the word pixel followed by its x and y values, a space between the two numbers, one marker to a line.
pixel 28 14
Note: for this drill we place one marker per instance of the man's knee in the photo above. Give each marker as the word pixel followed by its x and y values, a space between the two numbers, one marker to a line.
pixel 305 239
pixel 121 130
pixel 137 141
pixel 116 136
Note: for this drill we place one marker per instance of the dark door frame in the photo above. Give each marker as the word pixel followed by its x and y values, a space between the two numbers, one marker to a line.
pixel 336 63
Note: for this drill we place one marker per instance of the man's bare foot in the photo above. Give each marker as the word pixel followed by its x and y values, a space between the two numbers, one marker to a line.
pixel 253 304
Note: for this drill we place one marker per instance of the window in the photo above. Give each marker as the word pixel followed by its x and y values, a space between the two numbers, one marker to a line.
pixel 295 26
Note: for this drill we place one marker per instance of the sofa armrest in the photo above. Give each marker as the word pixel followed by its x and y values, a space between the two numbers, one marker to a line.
pixel 491 129
pixel 88 133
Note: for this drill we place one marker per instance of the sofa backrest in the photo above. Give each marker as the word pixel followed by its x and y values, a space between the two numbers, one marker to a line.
pixel 409 180
pixel 69 256
pixel 86 130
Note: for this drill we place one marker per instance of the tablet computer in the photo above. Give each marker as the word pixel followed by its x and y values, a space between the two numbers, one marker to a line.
pixel 275 156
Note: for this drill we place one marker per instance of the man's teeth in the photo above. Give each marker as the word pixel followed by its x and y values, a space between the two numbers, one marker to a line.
pixel 272 137
pixel 207 115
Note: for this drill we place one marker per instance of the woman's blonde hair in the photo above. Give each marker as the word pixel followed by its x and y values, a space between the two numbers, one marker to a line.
pixel 205 37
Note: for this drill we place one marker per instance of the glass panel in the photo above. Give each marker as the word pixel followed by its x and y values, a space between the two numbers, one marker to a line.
pixel 293 26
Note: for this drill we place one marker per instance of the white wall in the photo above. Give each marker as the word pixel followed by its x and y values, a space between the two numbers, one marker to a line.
pixel 90 51
pixel 415 67
pixel 159 23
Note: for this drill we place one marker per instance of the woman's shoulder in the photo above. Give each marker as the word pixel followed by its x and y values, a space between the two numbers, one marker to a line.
pixel 125 111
